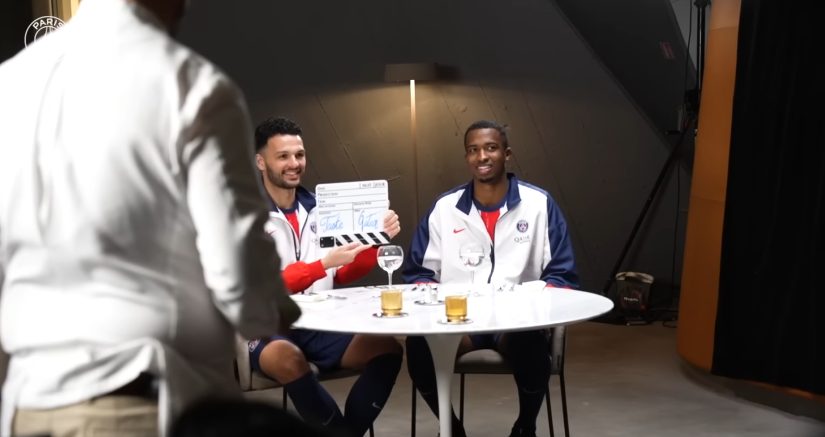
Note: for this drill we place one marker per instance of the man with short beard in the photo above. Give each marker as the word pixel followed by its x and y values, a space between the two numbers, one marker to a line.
pixel 281 159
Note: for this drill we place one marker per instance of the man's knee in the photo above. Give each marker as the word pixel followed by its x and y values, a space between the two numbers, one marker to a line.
pixel 283 361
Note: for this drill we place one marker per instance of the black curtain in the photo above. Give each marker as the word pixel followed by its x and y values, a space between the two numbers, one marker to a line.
pixel 15 17
pixel 770 325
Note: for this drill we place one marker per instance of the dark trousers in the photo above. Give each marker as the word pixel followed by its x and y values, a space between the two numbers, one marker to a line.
pixel 527 354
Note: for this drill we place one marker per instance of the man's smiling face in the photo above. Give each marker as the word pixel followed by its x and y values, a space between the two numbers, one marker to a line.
pixel 486 155
pixel 283 160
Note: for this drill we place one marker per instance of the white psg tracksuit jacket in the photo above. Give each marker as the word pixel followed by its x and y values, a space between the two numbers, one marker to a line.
pixel 531 240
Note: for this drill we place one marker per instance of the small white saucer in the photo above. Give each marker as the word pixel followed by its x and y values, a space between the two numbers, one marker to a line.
pixel 310 297
pixel 461 322
pixel 421 302
pixel 382 316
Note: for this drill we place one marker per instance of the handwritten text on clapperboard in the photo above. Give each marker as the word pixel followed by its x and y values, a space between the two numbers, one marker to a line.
pixel 352 211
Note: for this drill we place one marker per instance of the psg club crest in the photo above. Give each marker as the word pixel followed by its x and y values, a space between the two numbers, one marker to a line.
pixel 41 27
pixel 522 226
pixel 313 227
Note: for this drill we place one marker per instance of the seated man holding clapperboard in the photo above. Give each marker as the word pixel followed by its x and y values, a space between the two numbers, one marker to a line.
pixel 281 159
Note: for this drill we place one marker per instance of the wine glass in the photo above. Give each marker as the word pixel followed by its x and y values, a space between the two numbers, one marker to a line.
pixel 472 255
pixel 390 258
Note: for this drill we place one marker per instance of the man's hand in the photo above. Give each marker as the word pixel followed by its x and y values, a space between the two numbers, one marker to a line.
pixel 392 226
pixel 343 255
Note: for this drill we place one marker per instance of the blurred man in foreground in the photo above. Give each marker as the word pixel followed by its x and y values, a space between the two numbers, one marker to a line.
pixel 131 227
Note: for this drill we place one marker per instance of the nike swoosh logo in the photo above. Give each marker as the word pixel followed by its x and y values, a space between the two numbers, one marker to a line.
pixel 376 406
pixel 455 231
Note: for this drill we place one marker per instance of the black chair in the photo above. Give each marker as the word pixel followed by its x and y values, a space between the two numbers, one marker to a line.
pixel 490 362
pixel 251 380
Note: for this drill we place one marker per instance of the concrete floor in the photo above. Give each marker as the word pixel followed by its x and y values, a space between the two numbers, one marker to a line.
pixel 621 381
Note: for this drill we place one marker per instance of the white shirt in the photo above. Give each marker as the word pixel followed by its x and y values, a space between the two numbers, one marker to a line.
pixel 131 217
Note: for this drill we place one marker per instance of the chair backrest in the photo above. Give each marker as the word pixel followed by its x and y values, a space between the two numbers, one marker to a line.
pixel 488 361
pixel 558 343
pixel 248 379
pixel 243 370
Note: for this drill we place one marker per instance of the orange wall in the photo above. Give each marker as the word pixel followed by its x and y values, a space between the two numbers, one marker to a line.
pixel 63 9
pixel 703 241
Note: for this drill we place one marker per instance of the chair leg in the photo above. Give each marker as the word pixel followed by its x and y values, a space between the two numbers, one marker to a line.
pixel 372 432
pixel 549 411
pixel 412 413
pixel 460 401
pixel 564 404
pixel 284 401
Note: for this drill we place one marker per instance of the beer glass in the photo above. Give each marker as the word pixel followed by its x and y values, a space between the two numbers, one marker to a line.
pixel 391 303
pixel 456 308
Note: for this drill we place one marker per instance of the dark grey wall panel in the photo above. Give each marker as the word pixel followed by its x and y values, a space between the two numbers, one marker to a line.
pixel 573 129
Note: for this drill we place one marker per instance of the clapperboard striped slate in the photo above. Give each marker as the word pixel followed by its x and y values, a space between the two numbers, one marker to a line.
pixel 373 238
pixel 352 212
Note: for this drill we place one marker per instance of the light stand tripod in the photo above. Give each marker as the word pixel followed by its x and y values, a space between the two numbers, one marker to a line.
pixel 686 126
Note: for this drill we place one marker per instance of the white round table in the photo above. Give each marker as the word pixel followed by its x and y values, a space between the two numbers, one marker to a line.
pixel 350 310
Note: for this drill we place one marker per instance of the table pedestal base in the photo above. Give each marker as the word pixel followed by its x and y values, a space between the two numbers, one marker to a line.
pixel 443 348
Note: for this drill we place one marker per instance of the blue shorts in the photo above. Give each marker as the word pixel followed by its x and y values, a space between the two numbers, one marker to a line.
pixel 324 349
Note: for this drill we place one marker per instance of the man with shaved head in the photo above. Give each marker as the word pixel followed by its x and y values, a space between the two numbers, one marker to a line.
pixel 527 239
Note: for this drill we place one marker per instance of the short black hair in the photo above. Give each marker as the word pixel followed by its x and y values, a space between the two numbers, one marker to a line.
pixel 487 124
pixel 274 126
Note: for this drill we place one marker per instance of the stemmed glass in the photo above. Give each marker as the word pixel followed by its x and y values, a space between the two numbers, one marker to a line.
pixel 472 255
pixel 390 258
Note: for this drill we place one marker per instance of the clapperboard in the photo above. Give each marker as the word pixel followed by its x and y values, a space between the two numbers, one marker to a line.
pixel 352 212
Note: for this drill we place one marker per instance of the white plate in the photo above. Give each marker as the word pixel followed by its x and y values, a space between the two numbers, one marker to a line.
pixel 531 286
pixel 444 321
pixel 310 297
pixel 382 316
pixel 422 302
